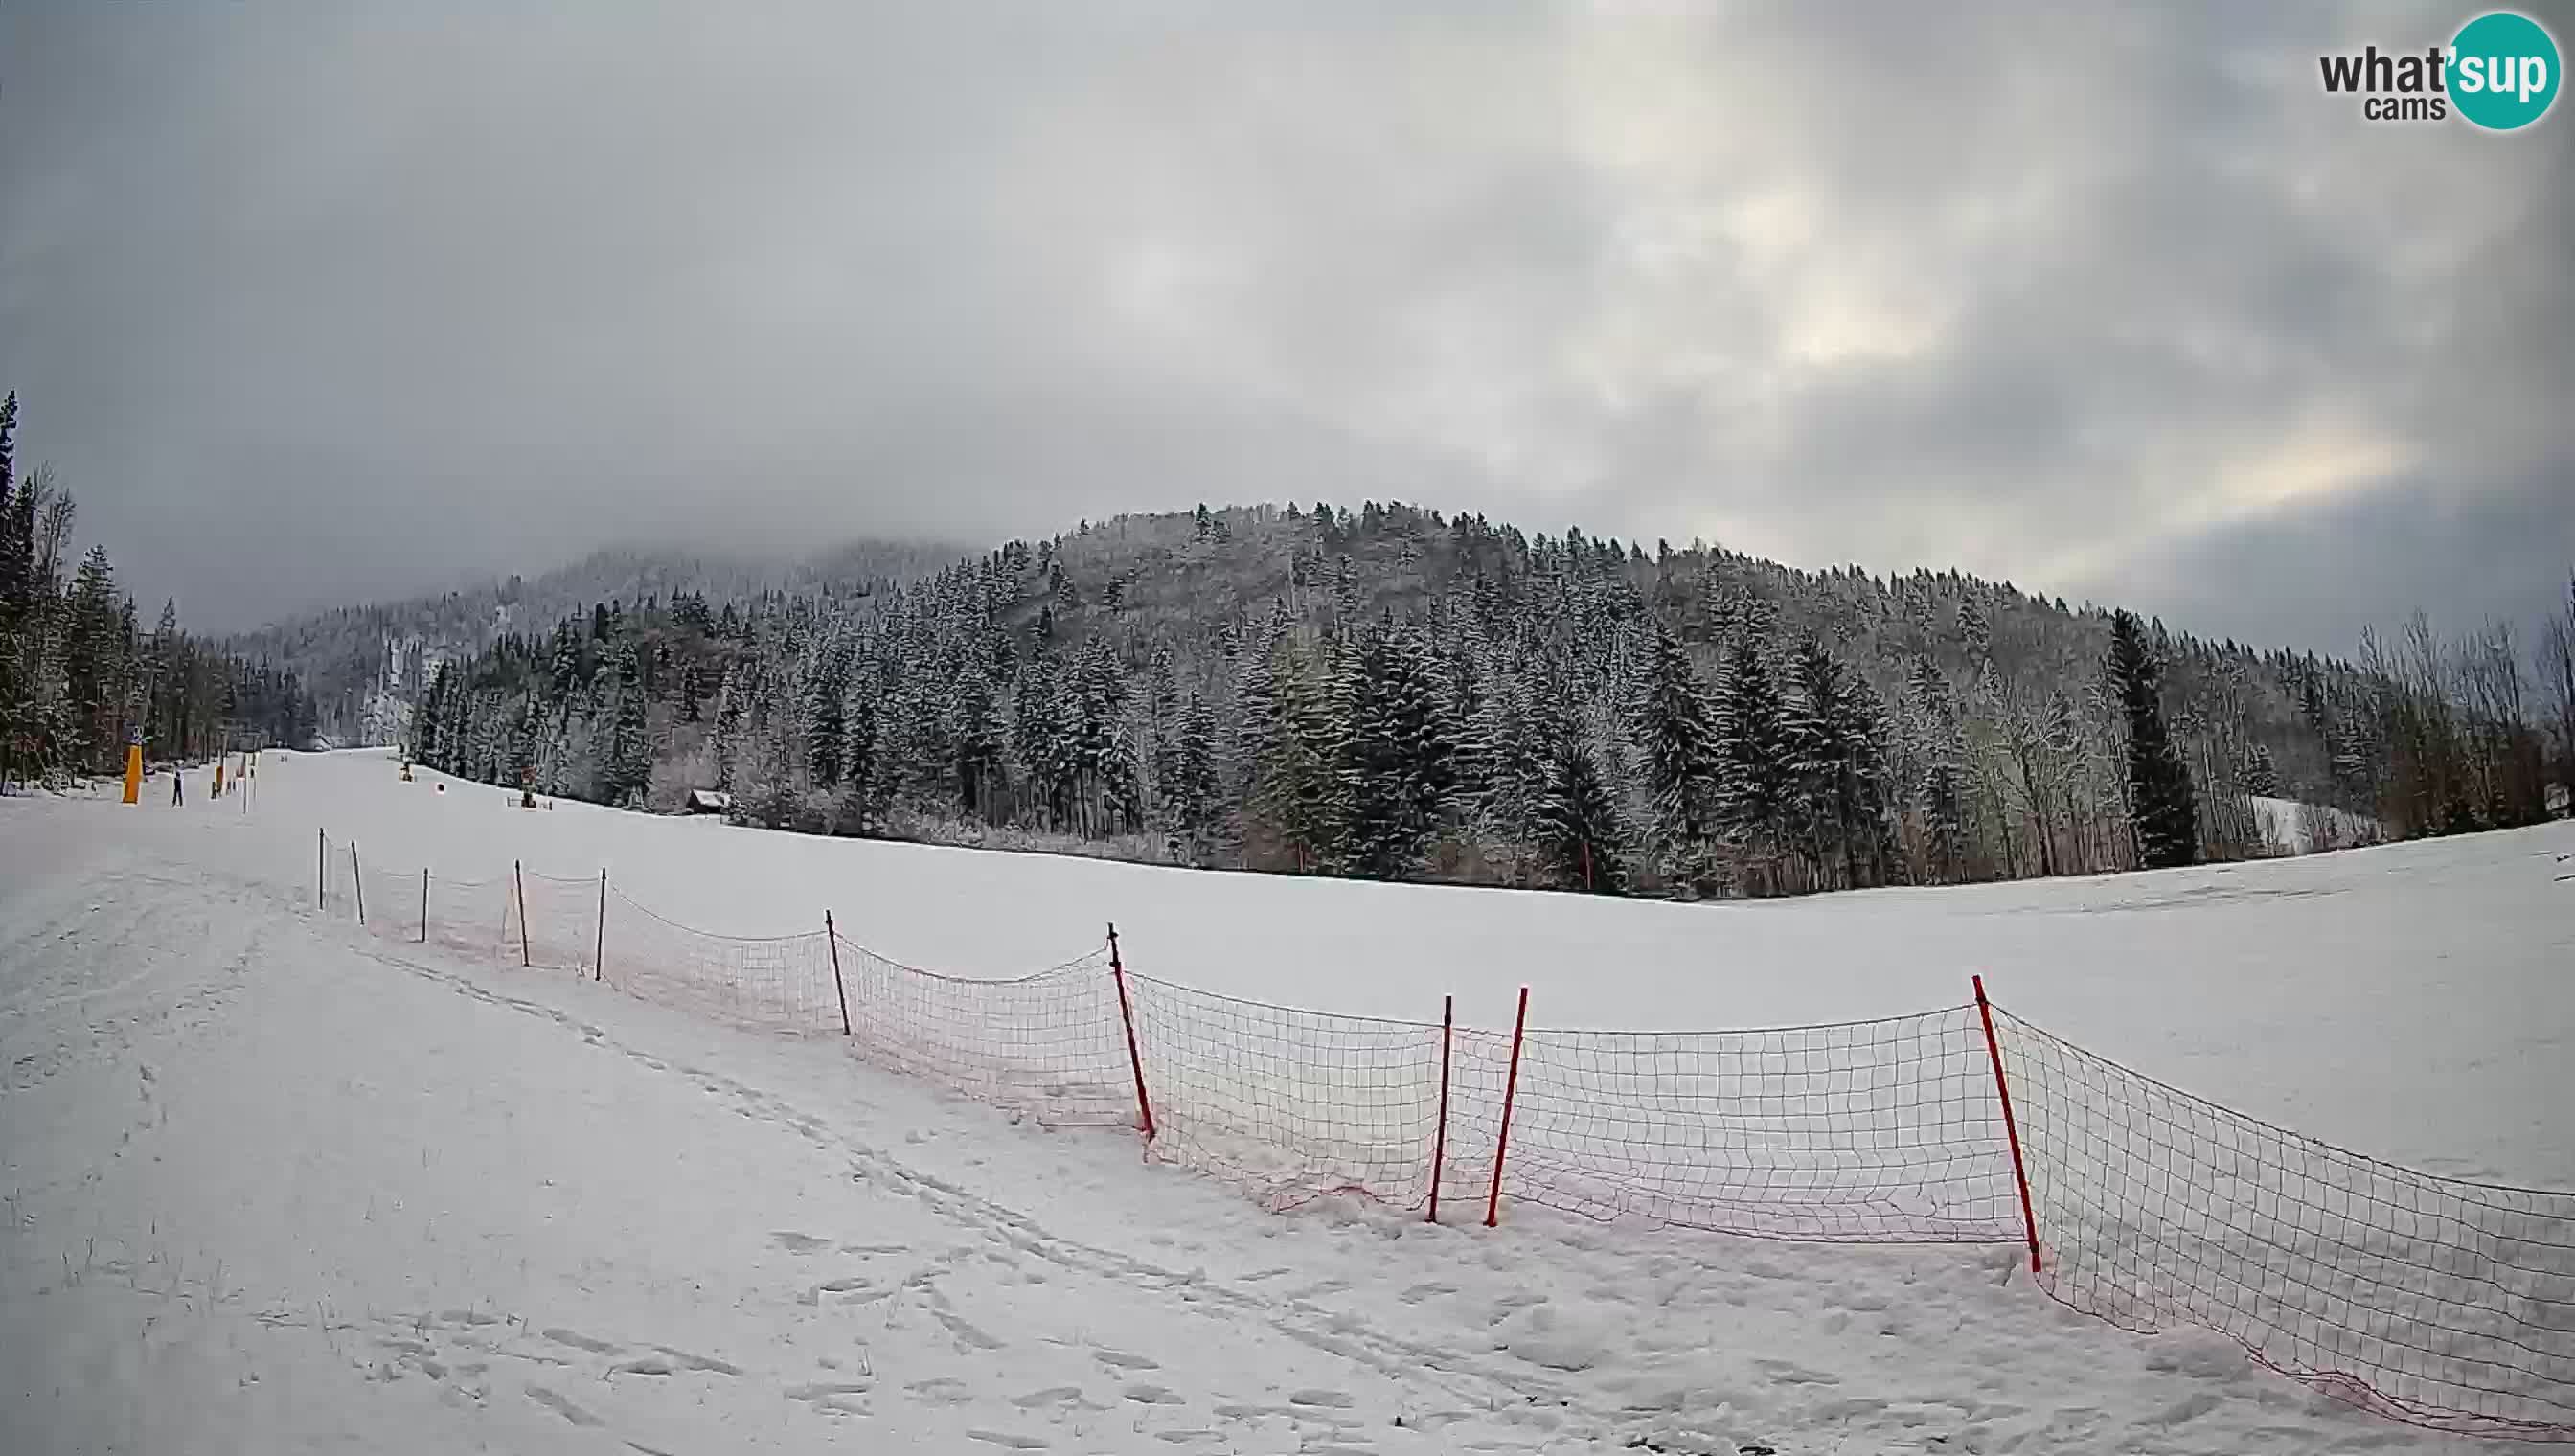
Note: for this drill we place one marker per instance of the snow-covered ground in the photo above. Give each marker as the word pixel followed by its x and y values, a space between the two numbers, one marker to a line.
pixel 274 1185
pixel 2296 828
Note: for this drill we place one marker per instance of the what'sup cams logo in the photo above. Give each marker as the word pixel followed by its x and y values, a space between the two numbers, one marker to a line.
pixel 2499 73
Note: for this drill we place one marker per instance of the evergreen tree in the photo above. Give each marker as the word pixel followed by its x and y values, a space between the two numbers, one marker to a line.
pixel 1038 739
pixel 825 689
pixel 1941 792
pixel 2162 807
pixel 2261 775
pixel 425 720
pixel 862 804
pixel 1577 824
pixel 1754 784
pixel 731 707
pixel 1193 789
pixel 1398 769
pixel 1303 789
pixel 978 748
pixel 1814 727
pixel 1677 730
pixel 629 765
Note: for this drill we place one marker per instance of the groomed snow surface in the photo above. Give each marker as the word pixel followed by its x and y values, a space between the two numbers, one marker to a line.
pixel 274 1184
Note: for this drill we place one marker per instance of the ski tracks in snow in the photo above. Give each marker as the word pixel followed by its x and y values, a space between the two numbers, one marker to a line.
pixel 1000 1266
pixel 260 1194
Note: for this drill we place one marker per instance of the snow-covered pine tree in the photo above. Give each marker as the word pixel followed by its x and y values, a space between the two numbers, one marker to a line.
pixel 1941 794
pixel 1037 740
pixel 1253 726
pixel 426 717
pixel 1301 787
pixel 1869 803
pixel 728 739
pixel 1976 626
pixel 1103 759
pixel 826 683
pixel 1159 727
pixel 2261 773
pixel 1579 841
pixel 1193 791
pixel 1398 770
pixel 2166 816
pixel 1676 740
pixel 629 748
pixel 1816 727
pixel 1753 757
pixel 863 798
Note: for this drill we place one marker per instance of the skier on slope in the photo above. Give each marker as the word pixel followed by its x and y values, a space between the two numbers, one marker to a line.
pixel 178 787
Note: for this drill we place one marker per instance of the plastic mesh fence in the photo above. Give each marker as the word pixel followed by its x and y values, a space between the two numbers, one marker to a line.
pixel 467 916
pixel 1291 1106
pixel 1048 1045
pixel 395 905
pixel 780 983
pixel 552 922
pixel 1883 1131
pixel 2445 1303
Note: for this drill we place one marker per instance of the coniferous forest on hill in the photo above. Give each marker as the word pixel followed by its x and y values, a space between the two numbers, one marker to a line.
pixel 80 677
pixel 1398 694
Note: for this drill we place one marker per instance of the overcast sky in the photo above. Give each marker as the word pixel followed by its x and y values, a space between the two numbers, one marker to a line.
pixel 311 303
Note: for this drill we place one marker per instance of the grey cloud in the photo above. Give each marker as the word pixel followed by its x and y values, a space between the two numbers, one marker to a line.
pixel 316 302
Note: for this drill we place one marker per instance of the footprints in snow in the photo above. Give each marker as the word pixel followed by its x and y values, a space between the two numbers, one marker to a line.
pixel 1327 1399
pixel 580 1341
pixel 1004 1236
pixel 706 1363
pixel 1056 1395
pixel 562 1407
pixel 965 1331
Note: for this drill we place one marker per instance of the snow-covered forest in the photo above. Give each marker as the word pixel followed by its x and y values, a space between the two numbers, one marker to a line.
pixel 1392 693
pixel 80 679
pixel 366 664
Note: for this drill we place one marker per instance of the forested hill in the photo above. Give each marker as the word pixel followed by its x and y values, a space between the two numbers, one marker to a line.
pixel 366 664
pixel 1394 693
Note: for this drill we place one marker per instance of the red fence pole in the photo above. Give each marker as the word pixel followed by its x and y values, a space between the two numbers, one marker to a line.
pixel 1511 1092
pixel 598 951
pixel 1439 1142
pixel 2011 1129
pixel 1127 1014
pixel 519 877
pixel 423 905
pixel 834 937
pixel 321 867
pixel 357 878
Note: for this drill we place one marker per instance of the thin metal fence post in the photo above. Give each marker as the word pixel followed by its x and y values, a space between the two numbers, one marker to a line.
pixel 833 935
pixel 1135 1058
pixel 1439 1141
pixel 1510 1094
pixel 2011 1128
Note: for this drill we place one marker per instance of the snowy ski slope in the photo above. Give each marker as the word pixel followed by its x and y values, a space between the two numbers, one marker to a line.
pixel 272 1185
pixel 2412 1002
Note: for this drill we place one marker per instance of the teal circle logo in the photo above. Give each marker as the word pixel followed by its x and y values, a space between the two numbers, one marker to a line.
pixel 2503 71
